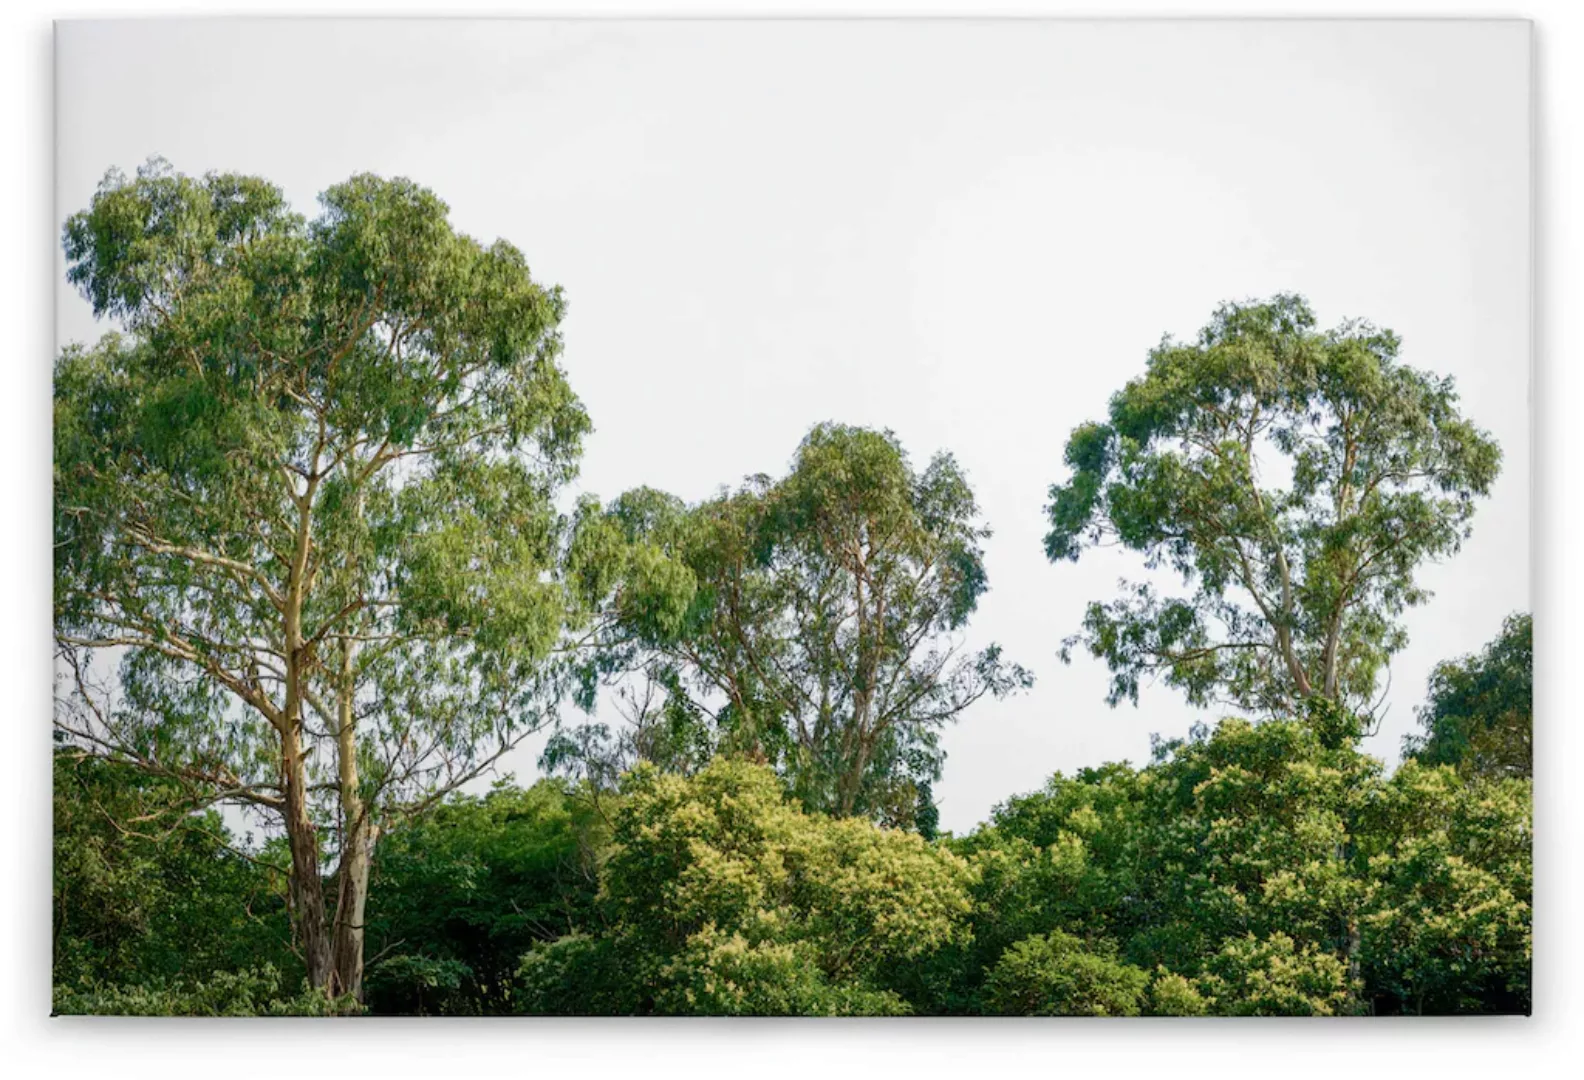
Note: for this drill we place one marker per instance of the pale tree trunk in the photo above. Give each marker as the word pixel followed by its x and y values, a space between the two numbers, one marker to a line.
pixel 359 834
pixel 852 777
pixel 1281 626
pixel 1284 629
pixel 307 890
pixel 846 792
pixel 347 969
pixel 306 884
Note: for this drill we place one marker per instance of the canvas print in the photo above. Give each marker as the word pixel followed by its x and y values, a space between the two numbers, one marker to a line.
pixel 792 518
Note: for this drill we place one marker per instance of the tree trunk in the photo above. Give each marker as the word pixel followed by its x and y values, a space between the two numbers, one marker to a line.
pixel 359 835
pixel 346 976
pixel 846 795
pixel 307 887
pixel 850 782
pixel 307 890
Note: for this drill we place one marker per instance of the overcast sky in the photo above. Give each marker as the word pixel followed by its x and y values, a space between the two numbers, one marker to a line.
pixel 969 232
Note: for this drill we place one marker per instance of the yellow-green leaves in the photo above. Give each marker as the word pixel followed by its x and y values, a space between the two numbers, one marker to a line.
pixel 1058 975
pixel 1274 976
pixel 730 899
pixel 1446 920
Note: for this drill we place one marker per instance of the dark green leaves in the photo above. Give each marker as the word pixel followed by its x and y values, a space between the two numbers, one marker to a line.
pixel 1480 716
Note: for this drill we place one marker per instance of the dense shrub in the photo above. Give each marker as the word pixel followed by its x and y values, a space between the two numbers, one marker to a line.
pixel 1273 976
pixel 720 895
pixel 1059 975
pixel 1445 919
pixel 460 894
pixel 251 992
pixel 148 892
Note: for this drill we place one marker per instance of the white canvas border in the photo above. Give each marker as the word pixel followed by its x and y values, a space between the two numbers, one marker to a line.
pixel 1540 1046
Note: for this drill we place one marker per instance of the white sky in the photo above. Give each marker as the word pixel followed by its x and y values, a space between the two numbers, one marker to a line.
pixel 969 232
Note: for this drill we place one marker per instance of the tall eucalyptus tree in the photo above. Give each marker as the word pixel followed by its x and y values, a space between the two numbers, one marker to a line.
pixel 304 502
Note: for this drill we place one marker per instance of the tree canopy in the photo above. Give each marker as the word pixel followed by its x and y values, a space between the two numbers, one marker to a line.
pixel 1480 714
pixel 814 622
pixel 147 894
pixel 460 894
pixel 1295 479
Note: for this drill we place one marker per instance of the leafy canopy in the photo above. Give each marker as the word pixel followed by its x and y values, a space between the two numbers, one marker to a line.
pixel 1056 975
pixel 1265 869
pixel 363 413
pixel 147 893
pixel 721 896
pixel 1250 869
pixel 1480 714
pixel 813 621
pixel 459 894
pixel 1295 479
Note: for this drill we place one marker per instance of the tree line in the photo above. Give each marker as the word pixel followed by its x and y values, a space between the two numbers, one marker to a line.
pixel 310 563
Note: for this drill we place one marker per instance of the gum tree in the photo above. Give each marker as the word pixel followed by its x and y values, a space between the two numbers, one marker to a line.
pixel 1296 479
pixel 813 621
pixel 303 510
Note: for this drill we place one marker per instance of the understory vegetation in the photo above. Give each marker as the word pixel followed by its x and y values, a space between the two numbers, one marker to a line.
pixel 1253 869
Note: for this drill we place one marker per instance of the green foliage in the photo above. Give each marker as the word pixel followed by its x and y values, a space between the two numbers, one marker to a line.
pixel 1053 860
pixel 460 894
pixel 1059 975
pixel 1086 829
pixel 1248 870
pixel 309 560
pixel 1249 830
pixel 1273 976
pixel 1246 829
pixel 1295 479
pixel 1446 920
pixel 809 621
pixel 250 992
pixel 1171 994
pixel 146 891
pixel 716 881
pixel 1480 714
pixel 408 985
pixel 728 975
pixel 275 373
pixel 577 975
pixel 1270 869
